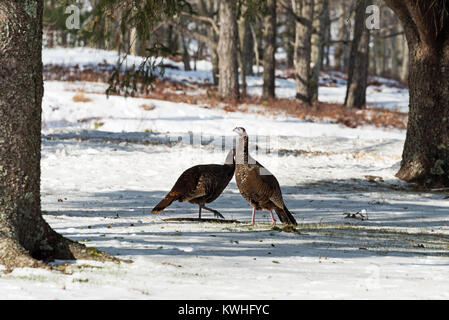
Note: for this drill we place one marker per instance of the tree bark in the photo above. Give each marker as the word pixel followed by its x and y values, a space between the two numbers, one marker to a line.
pixel 405 61
pixel 246 45
pixel 304 10
pixel 256 49
pixel 288 38
pixel 241 64
pixel 375 57
pixel 208 8
pixel 171 39
pixel 25 238
pixel 425 158
pixel 228 84
pixel 342 31
pixel 327 38
pixel 268 88
pixel 317 41
pixel 215 66
pixel 359 60
pixel 133 42
pixel 185 54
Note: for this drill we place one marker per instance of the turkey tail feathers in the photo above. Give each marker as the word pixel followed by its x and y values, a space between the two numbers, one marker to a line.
pixel 164 203
pixel 285 216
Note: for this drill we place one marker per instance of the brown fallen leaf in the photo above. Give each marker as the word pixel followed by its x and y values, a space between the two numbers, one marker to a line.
pixel 374 178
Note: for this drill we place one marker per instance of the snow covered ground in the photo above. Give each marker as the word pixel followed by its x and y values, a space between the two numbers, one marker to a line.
pixel 107 162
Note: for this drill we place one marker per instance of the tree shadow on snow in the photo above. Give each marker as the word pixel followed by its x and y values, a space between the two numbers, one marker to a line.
pixel 418 219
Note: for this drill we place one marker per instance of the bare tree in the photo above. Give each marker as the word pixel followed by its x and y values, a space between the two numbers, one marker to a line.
pixel 208 8
pixel 268 88
pixel 287 34
pixel 228 84
pixel 342 34
pixel 185 53
pixel 359 60
pixel 226 44
pixel 304 14
pixel 317 50
pixel 246 43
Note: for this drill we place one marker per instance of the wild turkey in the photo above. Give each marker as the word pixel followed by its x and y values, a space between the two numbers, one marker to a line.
pixel 257 185
pixel 201 184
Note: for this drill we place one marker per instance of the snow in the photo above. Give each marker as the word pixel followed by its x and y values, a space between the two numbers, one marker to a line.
pixel 100 182
pixel 60 111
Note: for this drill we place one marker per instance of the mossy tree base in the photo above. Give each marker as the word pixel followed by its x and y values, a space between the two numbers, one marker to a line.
pixel 52 247
pixel 425 159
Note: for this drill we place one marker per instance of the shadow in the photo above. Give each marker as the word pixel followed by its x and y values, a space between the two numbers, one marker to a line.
pixel 326 242
pixel 401 222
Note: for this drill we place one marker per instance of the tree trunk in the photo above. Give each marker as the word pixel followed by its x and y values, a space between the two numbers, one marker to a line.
pixel 268 88
pixel 375 57
pixel 208 8
pixel 228 84
pixel 303 9
pixel 327 38
pixel 246 45
pixel 185 54
pixel 288 38
pixel 171 39
pixel 133 41
pixel 318 35
pixel 256 49
pixel 25 237
pixel 215 66
pixel 241 64
pixel 342 30
pixel 245 50
pixel 405 61
pixel 395 47
pixel 359 60
pixel 425 158
pixel 385 59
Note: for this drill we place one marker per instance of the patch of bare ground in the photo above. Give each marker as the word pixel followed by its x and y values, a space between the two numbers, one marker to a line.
pixel 80 97
pixel 175 91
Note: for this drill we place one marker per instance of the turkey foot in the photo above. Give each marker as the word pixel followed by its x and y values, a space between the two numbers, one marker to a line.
pixel 215 212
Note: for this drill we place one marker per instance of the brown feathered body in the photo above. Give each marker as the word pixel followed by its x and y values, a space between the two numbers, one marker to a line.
pixel 200 184
pixel 259 186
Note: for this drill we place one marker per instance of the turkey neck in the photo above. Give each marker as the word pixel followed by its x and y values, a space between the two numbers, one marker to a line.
pixel 229 162
pixel 241 155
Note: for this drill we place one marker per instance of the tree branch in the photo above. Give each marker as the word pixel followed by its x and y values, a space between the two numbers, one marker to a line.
pixel 390 35
pixel 203 19
pixel 290 11
pixel 193 34
pixel 400 8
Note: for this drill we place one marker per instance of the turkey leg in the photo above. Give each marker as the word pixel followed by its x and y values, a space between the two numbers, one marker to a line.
pixel 253 215
pixel 273 221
